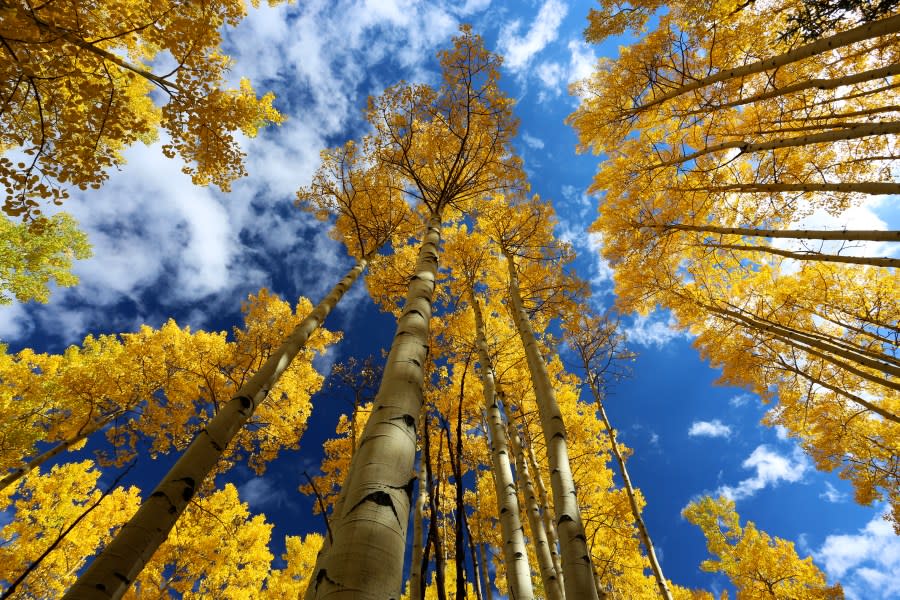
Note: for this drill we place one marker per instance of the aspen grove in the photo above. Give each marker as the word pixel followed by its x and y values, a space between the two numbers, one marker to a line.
pixel 477 454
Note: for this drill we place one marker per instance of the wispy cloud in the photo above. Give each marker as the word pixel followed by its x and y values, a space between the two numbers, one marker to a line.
pixel 532 142
pixel 260 492
pixel 656 329
pixel 740 399
pixel 518 50
pixel 832 494
pixel 866 563
pixel 771 469
pixel 714 428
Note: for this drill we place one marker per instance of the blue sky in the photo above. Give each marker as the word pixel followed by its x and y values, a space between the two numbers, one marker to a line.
pixel 165 248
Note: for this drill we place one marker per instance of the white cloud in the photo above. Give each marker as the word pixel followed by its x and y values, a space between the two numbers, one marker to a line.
pixel 656 329
pixel 15 323
pixel 519 50
pixel 832 494
pixel 740 399
pixel 555 76
pixel 771 469
pixel 867 563
pixel 531 141
pixel 714 428
pixel 260 492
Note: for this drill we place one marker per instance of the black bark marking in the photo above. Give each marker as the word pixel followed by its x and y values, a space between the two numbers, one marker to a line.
pixel 121 578
pixel 246 402
pixel 408 488
pixel 565 518
pixel 189 488
pixel 381 499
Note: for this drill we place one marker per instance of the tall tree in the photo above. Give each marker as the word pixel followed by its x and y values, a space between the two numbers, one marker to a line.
pixel 452 146
pixel 147 387
pixel 118 565
pixel 599 346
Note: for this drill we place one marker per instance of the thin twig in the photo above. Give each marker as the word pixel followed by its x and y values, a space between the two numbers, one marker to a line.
pixel 9 591
pixel 321 507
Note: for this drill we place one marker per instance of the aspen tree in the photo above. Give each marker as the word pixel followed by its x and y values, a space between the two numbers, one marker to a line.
pixel 594 339
pixel 723 135
pixel 552 587
pixel 452 146
pixel 146 387
pixel 523 230
pixel 518 572
pixel 118 565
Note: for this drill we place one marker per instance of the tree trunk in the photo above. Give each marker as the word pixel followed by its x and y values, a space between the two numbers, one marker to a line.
pixel 549 525
pixel 110 574
pixel 873 188
pixel 515 554
pixel 415 569
pixel 366 558
pixel 851 133
pixel 576 562
pixel 661 582
pixel 863 32
pixel 552 587
pixel 799 234
pixel 807 84
pixel 836 258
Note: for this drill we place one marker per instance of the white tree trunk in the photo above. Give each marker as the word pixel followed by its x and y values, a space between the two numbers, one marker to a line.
pixel 515 555
pixel 365 560
pixel 576 560
pixel 552 587
pixel 118 565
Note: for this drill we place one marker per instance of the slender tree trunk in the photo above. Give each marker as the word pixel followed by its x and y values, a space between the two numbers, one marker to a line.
pixel 380 480
pixel 476 575
pixel 877 360
pixel 807 345
pixel 745 147
pixel 552 587
pixel 515 554
pixel 807 84
pixel 816 256
pixel 549 525
pixel 866 31
pixel 118 565
pixel 416 574
pixel 437 540
pixel 576 561
pixel 483 559
pixel 40 459
pixel 872 188
pixel 661 582
pixel 797 234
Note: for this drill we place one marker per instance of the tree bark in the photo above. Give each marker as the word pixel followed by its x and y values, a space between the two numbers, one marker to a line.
pixel 804 234
pixel 552 587
pixel 576 562
pixel 835 258
pixel 116 567
pixel 818 84
pixel 873 188
pixel 515 555
pixel 549 525
pixel 366 559
pixel 415 569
